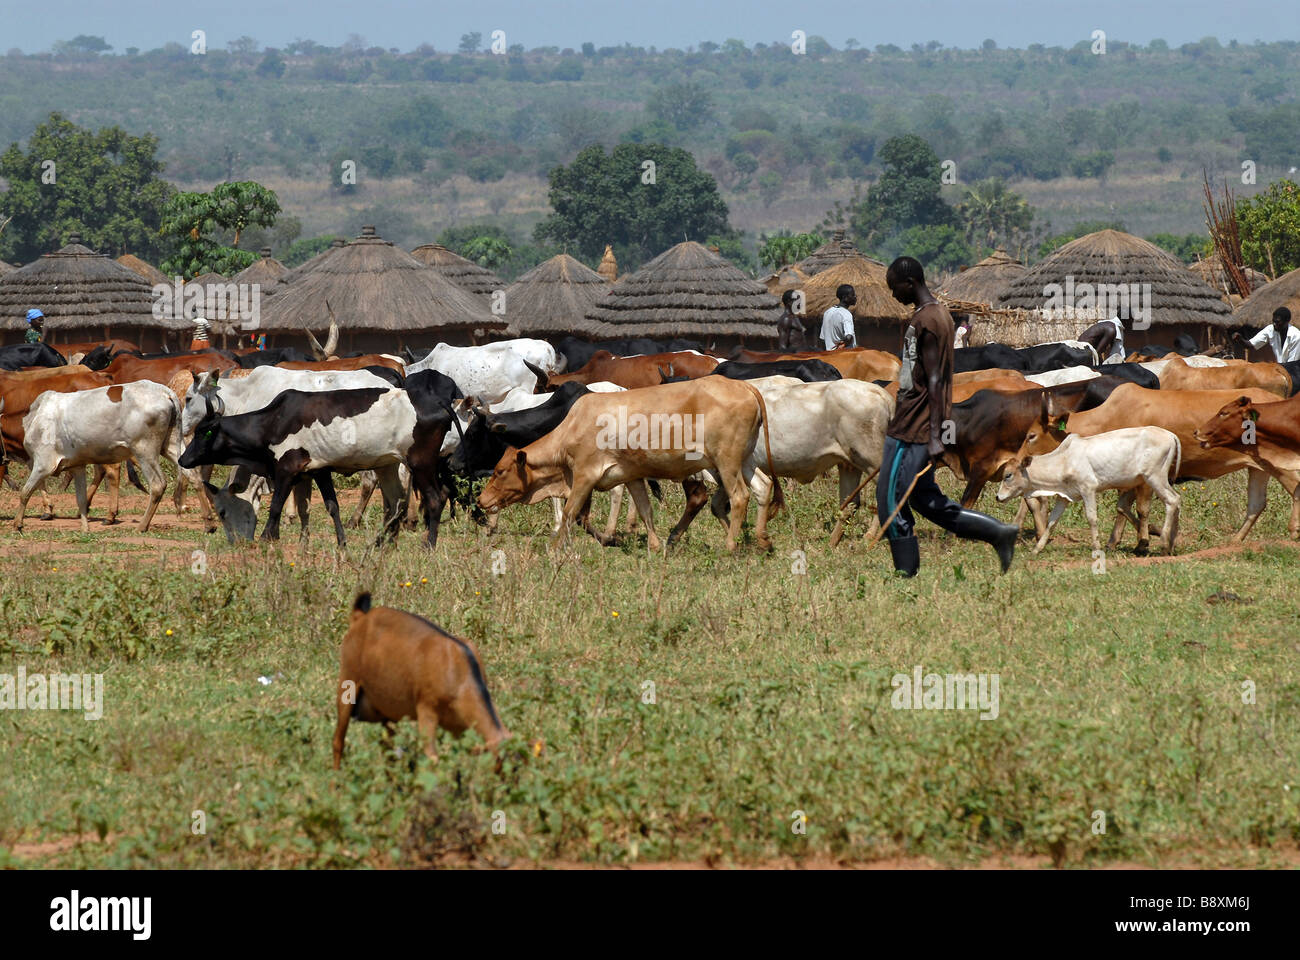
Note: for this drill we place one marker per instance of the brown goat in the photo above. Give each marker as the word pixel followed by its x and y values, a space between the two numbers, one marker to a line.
pixel 397 665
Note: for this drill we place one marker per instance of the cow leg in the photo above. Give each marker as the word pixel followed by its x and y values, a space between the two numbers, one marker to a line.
pixel 641 497
pixel 114 472
pixel 557 506
pixel 283 484
pixel 368 483
pixel 331 500
pixel 1143 496
pixel 40 469
pixel 432 501
pixel 1173 503
pixel 1256 501
pixel 394 494
pixel 1090 510
pixel 345 717
pixel 737 487
pixel 1057 510
pixel 697 495
pixel 157 483
pixel 761 488
pixel 850 477
pixel 426 716
pixel 83 502
pixel 579 499
pixel 615 508
pixel 495 515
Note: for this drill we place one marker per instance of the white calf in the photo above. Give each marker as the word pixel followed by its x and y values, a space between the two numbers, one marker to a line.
pixel 1140 459
pixel 1052 378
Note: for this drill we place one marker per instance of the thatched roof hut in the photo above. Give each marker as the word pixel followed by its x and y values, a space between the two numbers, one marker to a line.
pixel 554 297
pixel 265 270
pixel 375 287
pixel 834 251
pixel 1076 284
pixel 686 291
pixel 787 278
pixel 608 268
pixel 6 268
pixel 1282 292
pixel 294 274
pixel 466 274
pixel 82 294
pixel 867 277
pixel 138 266
pixel 985 281
pixel 1210 272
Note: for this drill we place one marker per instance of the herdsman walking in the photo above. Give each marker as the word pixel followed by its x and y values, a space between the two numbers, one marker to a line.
pixel 914 438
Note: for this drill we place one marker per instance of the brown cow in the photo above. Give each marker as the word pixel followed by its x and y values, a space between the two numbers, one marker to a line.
pixel 1273 377
pixel 1268 433
pixel 396 665
pixel 992 373
pixel 126 368
pixel 857 363
pixel 634 372
pixel 1180 412
pixel 347 363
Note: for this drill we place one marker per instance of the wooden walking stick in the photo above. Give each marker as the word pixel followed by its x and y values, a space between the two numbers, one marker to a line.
pixel 885 526
pixel 838 533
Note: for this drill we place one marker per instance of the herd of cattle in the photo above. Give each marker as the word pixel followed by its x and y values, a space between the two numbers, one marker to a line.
pixel 534 419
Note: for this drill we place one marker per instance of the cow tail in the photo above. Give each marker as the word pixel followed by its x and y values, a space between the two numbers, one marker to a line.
pixel 1178 459
pixel 778 496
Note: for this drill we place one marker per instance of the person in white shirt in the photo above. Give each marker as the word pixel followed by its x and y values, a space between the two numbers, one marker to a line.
pixel 1280 335
pixel 962 337
pixel 837 322
pixel 1107 338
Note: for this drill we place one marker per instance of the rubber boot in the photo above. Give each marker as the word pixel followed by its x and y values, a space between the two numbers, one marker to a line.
pixel 907 556
pixel 980 526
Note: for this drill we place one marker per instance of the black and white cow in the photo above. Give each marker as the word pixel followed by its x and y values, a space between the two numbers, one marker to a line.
pixel 344 431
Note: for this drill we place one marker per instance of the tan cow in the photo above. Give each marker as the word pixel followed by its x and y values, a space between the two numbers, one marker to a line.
pixel 1273 377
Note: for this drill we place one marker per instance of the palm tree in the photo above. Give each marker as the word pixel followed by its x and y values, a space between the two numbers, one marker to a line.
pixel 989 211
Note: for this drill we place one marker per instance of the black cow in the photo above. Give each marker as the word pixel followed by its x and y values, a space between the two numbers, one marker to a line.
pixel 810 370
pixel 1132 372
pixel 272 356
pixel 1293 367
pixel 577 352
pixel 19 355
pixel 488 434
pixel 311 434
pixel 98 358
pixel 987 357
pixel 1036 359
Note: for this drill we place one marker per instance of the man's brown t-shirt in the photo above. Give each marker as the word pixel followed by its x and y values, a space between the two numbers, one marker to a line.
pixel 911 422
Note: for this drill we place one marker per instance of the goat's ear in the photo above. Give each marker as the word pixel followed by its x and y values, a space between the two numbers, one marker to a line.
pixel 521 458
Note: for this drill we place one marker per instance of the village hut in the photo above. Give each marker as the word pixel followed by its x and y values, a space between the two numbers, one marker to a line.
pixel 879 319
pixel 608 268
pixel 466 274
pixel 293 274
pixel 1282 292
pixel 85 296
pixel 383 299
pixel 787 278
pixel 554 298
pixel 264 271
pixel 687 291
pixel 1081 282
pixel 834 251
pixel 985 281
pixel 6 268
pixel 146 270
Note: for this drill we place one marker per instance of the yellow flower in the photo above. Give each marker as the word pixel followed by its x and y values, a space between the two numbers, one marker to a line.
pixel 55 569
pixel 291 563
pixel 613 613
pixel 424 579
pixel 169 632
pixel 407 583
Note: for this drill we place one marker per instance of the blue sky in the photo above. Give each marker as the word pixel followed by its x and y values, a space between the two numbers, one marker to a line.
pixel 34 25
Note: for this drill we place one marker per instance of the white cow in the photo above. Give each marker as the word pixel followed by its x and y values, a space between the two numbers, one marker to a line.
pixel 1139 459
pixel 492 370
pixel 813 427
pixel 1052 378
pixel 1158 366
pixel 63 431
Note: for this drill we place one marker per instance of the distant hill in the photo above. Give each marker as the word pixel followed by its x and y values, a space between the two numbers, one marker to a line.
pixel 441 139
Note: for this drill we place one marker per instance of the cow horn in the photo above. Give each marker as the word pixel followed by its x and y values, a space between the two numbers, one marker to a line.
pixel 317 350
pixel 332 341
pixel 540 374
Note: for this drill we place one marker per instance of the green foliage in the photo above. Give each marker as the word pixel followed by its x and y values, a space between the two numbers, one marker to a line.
pixel 683 105
pixel 601 198
pixel 1269 224
pixel 190 220
pixel 303 250
pixel 107 187
pixel 1082 229
pixel 1184 246
pixel 940 248
pixel 1094 165
pixel 992 215
pixel 906 195
pixel 784 248
pixel 488 252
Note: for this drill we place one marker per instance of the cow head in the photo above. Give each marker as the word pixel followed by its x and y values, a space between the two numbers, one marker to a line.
pixel 238 517
pixel 1228 426
pixel 478 448
pixel 207 445
pixel 202 400
pixel 1015 482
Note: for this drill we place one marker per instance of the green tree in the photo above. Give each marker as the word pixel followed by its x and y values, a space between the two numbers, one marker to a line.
pixel 83 43
pixel 907 193
pixel 992 214
pixel 470 42
pixel 192 221
pixel 777 251
pixel 1269 224
pixel 272 65
pixel 487 251
pixel 684 105
pixel 303 250
pixel 1184 246
pixel 612 198
pixel 105 186
pixel 939 247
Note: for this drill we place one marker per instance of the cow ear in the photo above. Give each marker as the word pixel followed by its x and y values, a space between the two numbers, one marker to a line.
pixel 1024 464
pixel 521 458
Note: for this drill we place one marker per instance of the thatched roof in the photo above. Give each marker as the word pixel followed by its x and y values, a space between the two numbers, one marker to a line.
pixel 686 291
pixel 554 297
pixel 985 281
pixel 265 270
pixel 138 266
pixel 875 302
pixel 6 268
pixel 373 285
pixel 77 288
pixel 1210 272
pixel 294 274
pixel 835 250
pixel 464 273
pixel 1113 257
pixel 608 268
pixel 1282 292
pixel 787 278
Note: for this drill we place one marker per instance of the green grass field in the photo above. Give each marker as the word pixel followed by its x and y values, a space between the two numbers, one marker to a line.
pixel 1121 694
